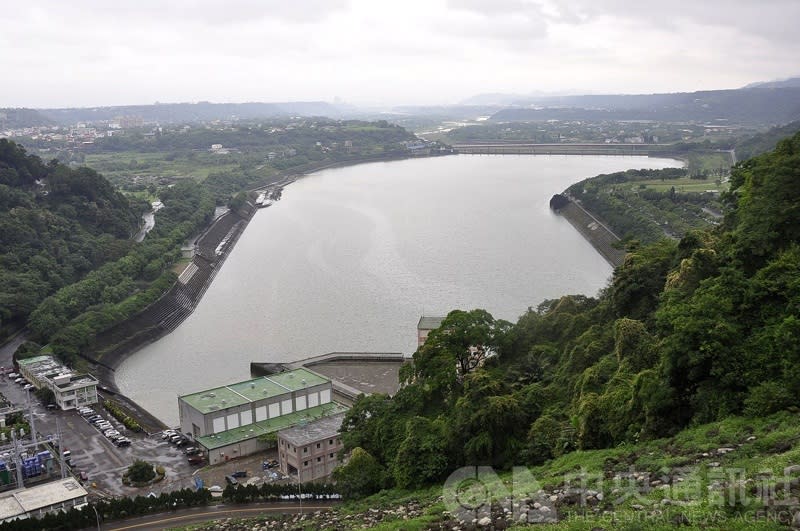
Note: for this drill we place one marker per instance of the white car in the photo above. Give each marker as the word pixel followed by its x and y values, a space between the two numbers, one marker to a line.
pixel 110 433
pixel 214 488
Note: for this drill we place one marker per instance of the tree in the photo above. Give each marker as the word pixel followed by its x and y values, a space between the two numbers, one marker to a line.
pixel 360 476
pixel 423 455
pixel 461 344
pixel 141 472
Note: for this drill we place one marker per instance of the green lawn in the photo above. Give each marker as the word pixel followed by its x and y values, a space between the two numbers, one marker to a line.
pixel 684 184
pixel 127 164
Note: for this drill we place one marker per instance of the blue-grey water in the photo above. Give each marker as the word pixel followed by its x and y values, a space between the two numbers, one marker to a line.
pixel 350 258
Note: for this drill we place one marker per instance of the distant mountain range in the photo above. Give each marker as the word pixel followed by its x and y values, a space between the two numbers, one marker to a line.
pixel 15 118
pixel 778 83
pixel 760 105
pixel 184 112
pixel 765 103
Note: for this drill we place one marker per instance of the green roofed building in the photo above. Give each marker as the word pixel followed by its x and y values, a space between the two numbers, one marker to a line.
pixel 227 421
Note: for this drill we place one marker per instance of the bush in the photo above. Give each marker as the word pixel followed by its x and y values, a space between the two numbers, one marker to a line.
pixel 117 412
pixel 140 472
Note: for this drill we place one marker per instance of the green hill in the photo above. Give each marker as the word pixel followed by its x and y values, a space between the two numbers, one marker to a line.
pixel 56 225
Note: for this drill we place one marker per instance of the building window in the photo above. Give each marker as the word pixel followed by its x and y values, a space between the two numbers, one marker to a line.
pixel 317 445
pixel 305 463
pixel 330 442
pixel 305 449
pixel 319 459
pixel 330 455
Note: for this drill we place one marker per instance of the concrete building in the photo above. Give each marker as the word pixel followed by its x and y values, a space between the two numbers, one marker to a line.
pixel 71 390
pixel 228 421
pixel 309 451
pixel 424 327
pixel 35 502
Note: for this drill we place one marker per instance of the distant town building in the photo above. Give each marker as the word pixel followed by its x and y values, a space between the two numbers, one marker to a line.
pixel 424 327
pixel 127 122
pixel 71 390
pixel 232 420
pixel 309 451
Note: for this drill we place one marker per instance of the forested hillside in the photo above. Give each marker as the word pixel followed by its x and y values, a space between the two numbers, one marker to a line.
pixel 686 332
pixel 68 264
pixel 56 225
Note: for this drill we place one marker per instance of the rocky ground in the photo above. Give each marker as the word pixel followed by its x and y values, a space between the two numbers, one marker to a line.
pixel 660 485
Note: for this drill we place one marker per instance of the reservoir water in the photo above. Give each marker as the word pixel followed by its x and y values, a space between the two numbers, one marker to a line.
pixel 350 258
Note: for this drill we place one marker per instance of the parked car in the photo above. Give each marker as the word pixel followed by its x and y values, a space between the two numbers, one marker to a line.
pixel 166 434
pixel 215 488
pixel 175 438
pixel 27 386
pixel 231 480
pixel 240 474
pixel 110 433
pixel 123 441
pixel 196 460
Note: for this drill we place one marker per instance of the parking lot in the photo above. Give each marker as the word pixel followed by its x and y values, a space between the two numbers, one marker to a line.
pixel 99 463
pixel 92 453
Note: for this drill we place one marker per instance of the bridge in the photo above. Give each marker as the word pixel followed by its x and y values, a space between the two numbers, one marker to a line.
pixel 520 148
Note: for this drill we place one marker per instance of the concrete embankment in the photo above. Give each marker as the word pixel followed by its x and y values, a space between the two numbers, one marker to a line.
pixel 599 235
pixel 111 347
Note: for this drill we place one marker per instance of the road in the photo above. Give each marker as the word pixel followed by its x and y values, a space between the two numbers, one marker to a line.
pixel 7 349
pixel 199 515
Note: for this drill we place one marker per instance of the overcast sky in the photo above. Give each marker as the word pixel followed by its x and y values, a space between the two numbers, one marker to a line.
pixel 106 52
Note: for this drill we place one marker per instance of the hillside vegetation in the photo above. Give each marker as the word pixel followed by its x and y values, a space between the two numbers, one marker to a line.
pixel 69 266
pixel 56 225
pixel 648 205
pixel 687 332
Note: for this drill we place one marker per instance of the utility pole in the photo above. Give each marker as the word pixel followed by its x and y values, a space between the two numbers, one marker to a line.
pixel 31 416
pixel 17 461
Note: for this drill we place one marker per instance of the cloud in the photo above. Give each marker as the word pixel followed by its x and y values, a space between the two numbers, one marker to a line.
pixel 514 22
pixel 91 52
pixel 769 19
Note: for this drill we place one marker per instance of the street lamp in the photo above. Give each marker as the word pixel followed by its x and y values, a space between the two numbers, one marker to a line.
pixel 299 492
pixel 97 516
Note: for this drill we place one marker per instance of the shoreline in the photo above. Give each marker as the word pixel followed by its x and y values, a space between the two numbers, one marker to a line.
pixel 211 249
pixel 594 231
pixel 178 303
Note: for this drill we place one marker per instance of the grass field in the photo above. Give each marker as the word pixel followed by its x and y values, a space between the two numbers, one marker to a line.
pixel 165 164
pixel 684 184
pixel 713 163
